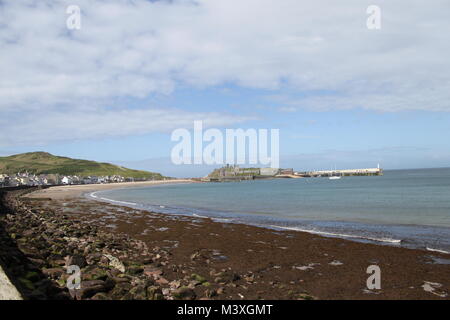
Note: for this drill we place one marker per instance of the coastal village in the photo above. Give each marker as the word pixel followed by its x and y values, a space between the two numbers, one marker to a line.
pixel 30 179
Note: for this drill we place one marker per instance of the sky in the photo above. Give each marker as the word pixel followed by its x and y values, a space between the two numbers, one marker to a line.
pixel 341 94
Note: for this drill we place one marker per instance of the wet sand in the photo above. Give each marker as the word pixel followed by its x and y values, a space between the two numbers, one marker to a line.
pixel 269 264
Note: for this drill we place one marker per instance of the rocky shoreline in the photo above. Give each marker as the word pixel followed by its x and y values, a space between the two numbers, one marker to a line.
pixel 129 254
pixel 41 244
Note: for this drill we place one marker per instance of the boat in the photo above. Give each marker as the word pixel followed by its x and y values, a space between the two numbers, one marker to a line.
pixel 335 176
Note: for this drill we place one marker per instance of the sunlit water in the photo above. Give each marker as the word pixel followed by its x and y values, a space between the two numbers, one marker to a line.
pixel 405 207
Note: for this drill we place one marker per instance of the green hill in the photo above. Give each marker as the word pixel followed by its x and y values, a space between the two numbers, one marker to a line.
pixel 43 162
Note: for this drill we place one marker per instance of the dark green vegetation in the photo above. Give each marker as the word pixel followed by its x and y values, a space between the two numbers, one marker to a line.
pixel 46 163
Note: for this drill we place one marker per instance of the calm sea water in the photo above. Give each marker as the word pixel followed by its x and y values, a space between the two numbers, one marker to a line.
pixel 405 207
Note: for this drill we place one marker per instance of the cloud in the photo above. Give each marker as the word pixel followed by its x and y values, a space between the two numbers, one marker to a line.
pixel 287 109
pixel 136 48
pixel 78 125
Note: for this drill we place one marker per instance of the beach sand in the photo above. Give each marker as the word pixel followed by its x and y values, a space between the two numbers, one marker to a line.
pixel 71 191
pixel 201 254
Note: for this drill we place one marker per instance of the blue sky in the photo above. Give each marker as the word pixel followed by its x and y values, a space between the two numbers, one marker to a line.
pixel 339 93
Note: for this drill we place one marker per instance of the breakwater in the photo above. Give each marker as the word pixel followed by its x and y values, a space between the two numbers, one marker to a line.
pixel 344 172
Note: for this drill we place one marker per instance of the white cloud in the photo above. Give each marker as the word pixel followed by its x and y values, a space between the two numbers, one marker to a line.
pixel 59 126
pixel 133 48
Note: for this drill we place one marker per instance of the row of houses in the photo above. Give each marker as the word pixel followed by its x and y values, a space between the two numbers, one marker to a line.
pixel 29 179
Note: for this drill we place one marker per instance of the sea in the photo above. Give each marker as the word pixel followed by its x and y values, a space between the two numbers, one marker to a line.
pixel 409 208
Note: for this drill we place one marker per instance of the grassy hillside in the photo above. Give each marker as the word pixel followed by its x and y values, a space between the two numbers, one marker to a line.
pixel 43 162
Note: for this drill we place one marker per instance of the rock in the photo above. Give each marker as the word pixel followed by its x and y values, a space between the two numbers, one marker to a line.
pixel 56 256
pixel 195 256
pixel 165 291
pixel 53 273
pixel 305 296
pixel 96 274
pixel 147 260
pixel 104 260
pixel 27 284
pixel 226 276
pixel 135 270
pixel 99 244
pixel 115 263
pixel 100 296
pixel 28 233
pixel 31 253
pixel 94 258
pixel 219 280
pixel 249 278
pixel 209 293
pixel 162 281
pixel 86 250
pixel 193 284
pixel 114 273
pixel 90 288
pixel 184 293
pixel 175 284
pixel 58 262
pixel 121 280
pixel 154 293
pixel 434 288
pixel 120 290
pixel 198 278
pixel 152 271
pixel 77 260
pixel 38 262
pixel 220 290
pixel 139 292
pixel 32 276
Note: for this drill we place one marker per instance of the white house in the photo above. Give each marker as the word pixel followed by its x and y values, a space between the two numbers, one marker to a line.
pixel 66 180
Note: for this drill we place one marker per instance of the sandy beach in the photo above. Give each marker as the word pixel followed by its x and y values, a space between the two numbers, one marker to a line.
pixel 134 254
pixel 73 191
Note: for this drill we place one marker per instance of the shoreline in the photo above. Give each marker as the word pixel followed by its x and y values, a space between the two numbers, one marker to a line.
pixel 188 257
pixel 73 191
pixel 361 236
pixel 230 219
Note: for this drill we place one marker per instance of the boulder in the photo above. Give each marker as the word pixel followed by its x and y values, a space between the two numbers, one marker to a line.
pixel 154 293
pixel 152 271
pixel 184 293
pixel 53 273
pixel 77 260
pixel 139 292
pixel 115 263
pixel 90 288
